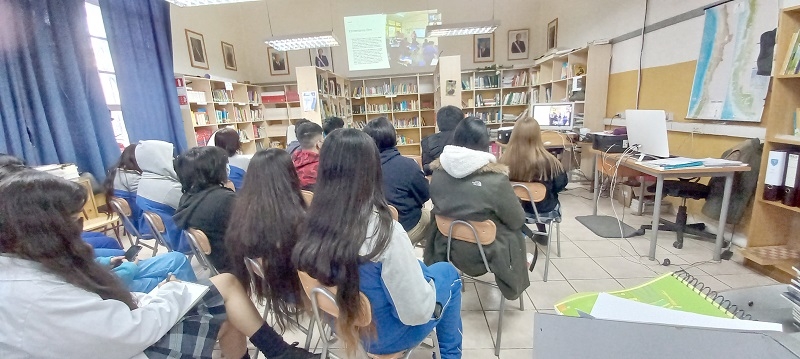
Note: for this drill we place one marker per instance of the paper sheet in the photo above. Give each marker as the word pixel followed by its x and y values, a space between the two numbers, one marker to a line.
pixel 615 308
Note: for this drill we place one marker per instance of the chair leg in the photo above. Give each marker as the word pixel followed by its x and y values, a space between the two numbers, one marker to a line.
pixel 558 238
pixel 521 302
pixel 547 253
pixel 309 333
pixel 500 326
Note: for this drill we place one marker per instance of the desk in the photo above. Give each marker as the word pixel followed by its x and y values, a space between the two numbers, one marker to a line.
pixel 660 175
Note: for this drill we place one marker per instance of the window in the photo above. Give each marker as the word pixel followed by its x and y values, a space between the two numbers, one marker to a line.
pixel 105 69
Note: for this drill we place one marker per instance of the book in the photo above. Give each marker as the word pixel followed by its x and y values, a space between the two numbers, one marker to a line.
pixel 794 54
pixel 792 179
pixel 790 52
pixel 193 290
pixel 775 174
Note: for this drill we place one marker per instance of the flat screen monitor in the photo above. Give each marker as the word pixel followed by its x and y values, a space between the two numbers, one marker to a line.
pixel 554 116
pixel 647 131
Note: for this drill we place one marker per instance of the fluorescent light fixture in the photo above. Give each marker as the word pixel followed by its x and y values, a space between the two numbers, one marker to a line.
pixel 470 28
pixel 185 3
pixel 302 41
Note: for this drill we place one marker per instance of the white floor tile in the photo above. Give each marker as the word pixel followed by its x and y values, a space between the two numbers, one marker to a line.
pixel 580 268
pixel 595 285
pixel 545 295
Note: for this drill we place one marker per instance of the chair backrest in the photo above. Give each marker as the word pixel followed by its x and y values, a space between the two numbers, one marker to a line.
pixel 123 209
pixel 485 231
pixel 157 228
pixel 307 196
pixel 201 248
pixel 324 298
pixel 529 191
pixel 395 215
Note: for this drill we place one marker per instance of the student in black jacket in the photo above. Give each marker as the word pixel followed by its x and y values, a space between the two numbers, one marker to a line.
pixel 447 118
pixel 404 185
pixel 206 203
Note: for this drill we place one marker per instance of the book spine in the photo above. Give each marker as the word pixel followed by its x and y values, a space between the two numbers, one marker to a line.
pixel 790 183
pixel 775 175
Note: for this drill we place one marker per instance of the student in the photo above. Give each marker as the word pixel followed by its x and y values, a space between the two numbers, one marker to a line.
pixel 330 124
pixel 447 118
pixel 59 303
pixel 122 181
pixel 159 190
pixel 291 134
pixel 228 140
pixel 467 184
pixel 350 241
pixel 404 185
pixel 307 158
pixel 144 275
pixel 9 160
pixel 529 161
pixel 263 226
pixel 206 203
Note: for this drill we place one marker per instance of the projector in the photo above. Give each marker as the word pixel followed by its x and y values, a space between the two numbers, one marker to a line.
pixel 610 143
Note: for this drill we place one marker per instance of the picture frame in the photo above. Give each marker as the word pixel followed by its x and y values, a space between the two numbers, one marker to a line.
pixel 196 44
pixel 278 62
pixel 483 48
pixel 321 57
pixel 228 56
pixel 552 34
pixel 518 41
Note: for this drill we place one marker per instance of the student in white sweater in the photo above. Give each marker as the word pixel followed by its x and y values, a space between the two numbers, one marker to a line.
pixel 58 303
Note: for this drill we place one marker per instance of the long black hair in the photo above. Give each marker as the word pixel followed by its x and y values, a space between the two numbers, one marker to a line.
pixel 201 168
pixel 346 197
pixel 266 216
pixel 127 162
pixel 38 222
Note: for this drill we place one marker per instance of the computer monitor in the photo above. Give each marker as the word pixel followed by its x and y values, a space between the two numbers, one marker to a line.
pixel 647 131
pixel 554 116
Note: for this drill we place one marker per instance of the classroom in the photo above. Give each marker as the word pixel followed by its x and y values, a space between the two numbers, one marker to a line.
pixel 405 179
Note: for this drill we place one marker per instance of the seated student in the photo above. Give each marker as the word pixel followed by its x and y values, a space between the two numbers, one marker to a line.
pixel 228 140
pixel 292 136
pixel 350 241
pixel 467 184
pixel 330 124
pixel 447 118
pixel 529 161
pixel 122 181
pixel 159 190
pixel 266 215
pixel 144 275
pixel 59 303
pixel 307 158
pixel 404 185
pixel 206 203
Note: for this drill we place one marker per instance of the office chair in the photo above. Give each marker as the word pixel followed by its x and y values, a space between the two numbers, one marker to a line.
pixel 683 188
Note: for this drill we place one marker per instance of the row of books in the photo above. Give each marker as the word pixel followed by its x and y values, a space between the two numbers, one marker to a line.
pixel 203 135
pixel 260 131
pixel 252 96
pixel 406 105
pixel 406 122
pixel 782 179
pixel 515 98
pixel 481 100
pixel 791 63
pixel 331 86
pixel 487 116
pixel 196 97
pixel 487 81
pixel 377 108
pixel 518 79
pixel 200 117
pixel 404 140
pixel 222 95
pixel 359 109
pixel 280 96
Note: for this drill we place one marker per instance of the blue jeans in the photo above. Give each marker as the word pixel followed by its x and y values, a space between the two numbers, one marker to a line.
pixel 154 270
pixel 99 240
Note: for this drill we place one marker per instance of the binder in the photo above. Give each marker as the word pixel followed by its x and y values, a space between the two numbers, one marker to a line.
pixel 790 183
pixel 776 173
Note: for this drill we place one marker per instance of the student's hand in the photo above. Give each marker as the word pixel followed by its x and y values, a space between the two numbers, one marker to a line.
pixel 116 261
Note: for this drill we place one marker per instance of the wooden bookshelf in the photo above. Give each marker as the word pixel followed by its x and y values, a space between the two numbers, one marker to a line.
pixel 332 94
pixel 772 241
pixel 496 96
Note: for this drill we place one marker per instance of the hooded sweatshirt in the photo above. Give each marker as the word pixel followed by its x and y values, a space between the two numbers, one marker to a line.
pixel 209 211
pixel 433 145
pixel 306 163
pixel 404 186
pixel 159 182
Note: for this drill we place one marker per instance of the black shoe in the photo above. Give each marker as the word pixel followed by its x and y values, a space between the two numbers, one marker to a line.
pixel 540 238
pixel 293 352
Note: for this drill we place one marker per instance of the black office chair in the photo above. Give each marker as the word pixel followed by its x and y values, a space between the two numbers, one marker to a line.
pixel 684 188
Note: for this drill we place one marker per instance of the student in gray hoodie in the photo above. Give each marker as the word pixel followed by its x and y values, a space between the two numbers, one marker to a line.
pixel 159 190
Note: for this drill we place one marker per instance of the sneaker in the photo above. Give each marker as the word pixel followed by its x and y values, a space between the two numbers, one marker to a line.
pixel 293 352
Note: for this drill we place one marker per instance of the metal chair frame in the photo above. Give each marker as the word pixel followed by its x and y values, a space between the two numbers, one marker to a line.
pixel 154 229
pixel 198 251
pixel 127 223
pixel 546 221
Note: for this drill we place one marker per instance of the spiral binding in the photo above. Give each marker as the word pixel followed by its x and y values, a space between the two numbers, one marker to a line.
pixel 715 297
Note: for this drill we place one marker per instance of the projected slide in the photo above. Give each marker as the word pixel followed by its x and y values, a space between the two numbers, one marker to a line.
pixel 384 41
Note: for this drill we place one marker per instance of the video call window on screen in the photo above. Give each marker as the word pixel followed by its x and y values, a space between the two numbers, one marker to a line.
pixel 391 41
pixel 554 116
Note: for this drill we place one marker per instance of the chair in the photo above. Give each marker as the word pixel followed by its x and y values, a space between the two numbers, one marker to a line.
pixel 123 209
pixel 201 248
pixel 324 298
pixel 684 188
pixel 256 270
pixel 395 214
pixel 157 229
pixel 308 196
pixel 483 234
pixel 536 192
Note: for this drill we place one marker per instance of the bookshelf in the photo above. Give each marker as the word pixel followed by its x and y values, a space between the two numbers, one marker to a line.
pixel 407 101
pixel 772 241
pixel 213 104
pixel 496 96
pixel 332 94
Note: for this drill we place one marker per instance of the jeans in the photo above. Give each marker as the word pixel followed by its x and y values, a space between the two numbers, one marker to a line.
pixel 154 270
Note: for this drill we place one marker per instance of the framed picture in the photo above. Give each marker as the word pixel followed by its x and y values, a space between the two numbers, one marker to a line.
pixel 228 56
pixel 278 62
pixel 482 48
pixel 321 58
pixel 197 49
pixel 518 44
pixel 552 34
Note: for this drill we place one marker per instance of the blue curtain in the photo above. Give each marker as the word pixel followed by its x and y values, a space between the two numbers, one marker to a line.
pixel 52 108
pixel 140 39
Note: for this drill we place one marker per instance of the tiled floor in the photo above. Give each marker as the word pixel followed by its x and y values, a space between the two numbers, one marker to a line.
pixel 587 263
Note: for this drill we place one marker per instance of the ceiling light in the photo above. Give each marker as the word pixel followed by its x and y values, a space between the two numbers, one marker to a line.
pixel 471 28
pixel 185 3
pixel 302 41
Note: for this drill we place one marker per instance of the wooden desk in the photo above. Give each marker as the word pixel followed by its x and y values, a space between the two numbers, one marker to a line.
pixel 94 220
pixel 660 175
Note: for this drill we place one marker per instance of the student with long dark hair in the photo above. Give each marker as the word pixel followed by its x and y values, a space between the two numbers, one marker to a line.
pixel 266 216
pixel 122 181
pixel 468 184
pixel 350 241
pixel 228 140
pixel 59 303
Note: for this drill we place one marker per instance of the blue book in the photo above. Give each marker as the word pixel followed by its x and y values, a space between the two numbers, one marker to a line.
pixel 682 165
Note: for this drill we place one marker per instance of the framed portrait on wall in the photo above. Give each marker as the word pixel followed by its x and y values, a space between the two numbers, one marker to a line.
pixel 321 58
pixel 518 44
pixel 197 49
pixel 483 48
pixel 228 56
pixel 552 34
pixel 278 62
